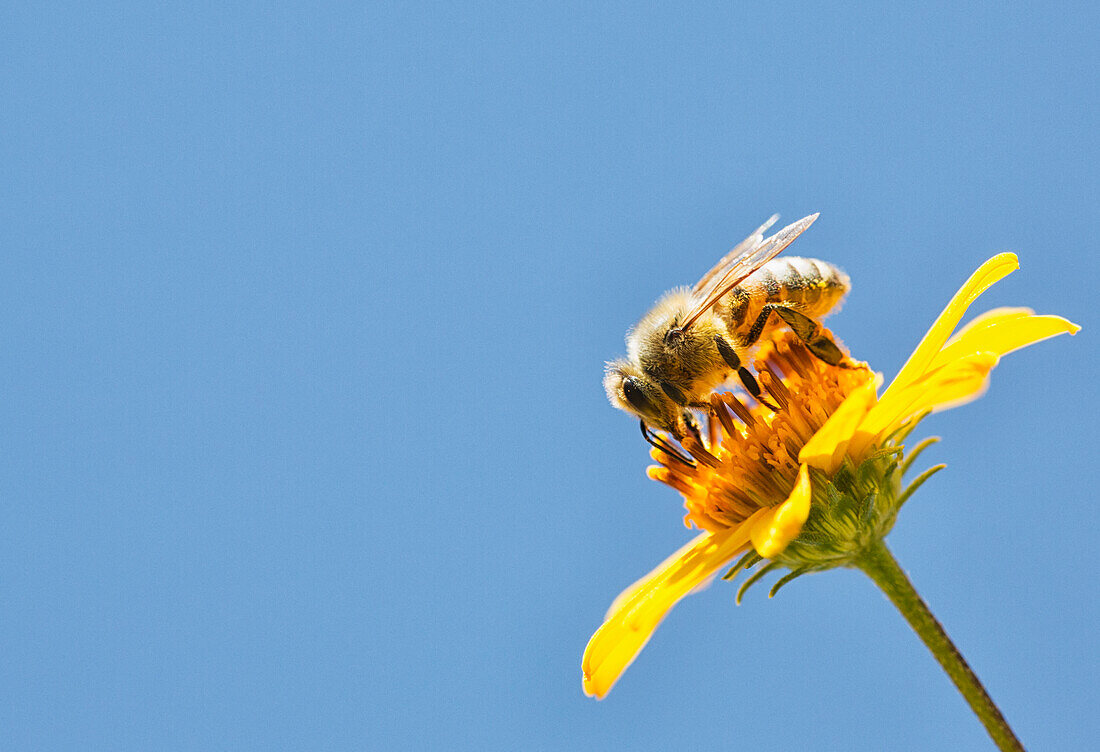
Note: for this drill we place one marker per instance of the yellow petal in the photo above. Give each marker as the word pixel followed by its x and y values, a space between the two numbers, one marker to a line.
pixel 953 384
pixel 1001 331
pixel 991 271
pixel 657 572
pixel 636 614
pixel 782 523
pixel 1003 313
pixel 959 373
pixel 825 450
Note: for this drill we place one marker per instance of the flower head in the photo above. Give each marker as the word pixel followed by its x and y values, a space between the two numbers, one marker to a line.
pixel 809 486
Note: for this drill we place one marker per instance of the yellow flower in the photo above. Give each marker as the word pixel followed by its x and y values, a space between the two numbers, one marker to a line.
pixel 809 486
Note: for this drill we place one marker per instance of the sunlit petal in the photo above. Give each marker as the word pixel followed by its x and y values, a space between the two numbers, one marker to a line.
pixel 780 525
pixel 953 384
pixel 826 449
pixel 987 274
pixel 1001 331
pixel 659 571
pixel 628 628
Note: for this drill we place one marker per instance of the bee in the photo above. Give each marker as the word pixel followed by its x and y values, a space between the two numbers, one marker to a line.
pixel 694 339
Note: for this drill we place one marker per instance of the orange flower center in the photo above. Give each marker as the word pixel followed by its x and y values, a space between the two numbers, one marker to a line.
pixel 750 459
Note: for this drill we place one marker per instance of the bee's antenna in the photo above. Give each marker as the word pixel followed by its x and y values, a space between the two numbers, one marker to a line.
pixel 662 443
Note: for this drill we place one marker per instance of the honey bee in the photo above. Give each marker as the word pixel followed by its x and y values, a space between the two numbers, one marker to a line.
pixel 694 339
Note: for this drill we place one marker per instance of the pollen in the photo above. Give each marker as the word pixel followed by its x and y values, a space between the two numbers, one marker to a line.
pixel 749 460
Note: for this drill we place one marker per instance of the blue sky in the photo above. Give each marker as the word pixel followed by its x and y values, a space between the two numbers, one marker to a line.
pixel 304 313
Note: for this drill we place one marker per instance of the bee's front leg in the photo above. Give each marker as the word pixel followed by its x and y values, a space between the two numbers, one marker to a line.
pixel 692 425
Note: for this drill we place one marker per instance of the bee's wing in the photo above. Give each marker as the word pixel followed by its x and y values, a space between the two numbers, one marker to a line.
pixel 748 261
pixel 734 256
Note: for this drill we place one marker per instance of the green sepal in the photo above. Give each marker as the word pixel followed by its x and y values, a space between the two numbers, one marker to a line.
pixel 792 575
pixel 754 579
pixel 918 482
pixel 747 561
pixel 850 509
pixel 916 452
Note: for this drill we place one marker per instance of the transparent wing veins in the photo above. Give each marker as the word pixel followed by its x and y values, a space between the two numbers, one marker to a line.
pixel 735 256
pixel 747 257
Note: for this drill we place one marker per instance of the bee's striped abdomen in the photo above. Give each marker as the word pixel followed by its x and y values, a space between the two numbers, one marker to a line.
pixel 811 286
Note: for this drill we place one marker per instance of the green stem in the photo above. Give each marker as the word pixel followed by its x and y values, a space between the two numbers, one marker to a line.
pixel 879 564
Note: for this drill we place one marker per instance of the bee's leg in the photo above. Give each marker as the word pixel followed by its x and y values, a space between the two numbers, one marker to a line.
pixel 805 328
pixel 757 327
pixel 733 361
pixel 753 387
pixel 662 443
pixel 692 426
pixel 808 330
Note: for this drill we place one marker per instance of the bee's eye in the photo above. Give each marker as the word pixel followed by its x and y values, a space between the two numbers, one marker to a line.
pixel 635 396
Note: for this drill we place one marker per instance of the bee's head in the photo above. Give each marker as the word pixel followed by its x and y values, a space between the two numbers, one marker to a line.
pixel 631 390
